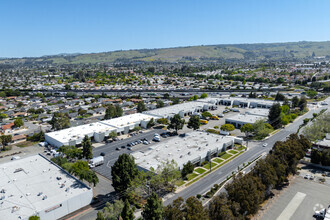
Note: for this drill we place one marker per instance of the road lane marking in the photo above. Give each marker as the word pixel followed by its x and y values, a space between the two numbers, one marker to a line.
pixel 292 206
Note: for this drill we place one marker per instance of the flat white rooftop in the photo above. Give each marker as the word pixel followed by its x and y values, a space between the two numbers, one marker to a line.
pixel 247 119
pixel 30 185
pixel 258 111
pixel 79 132
pixel 175 109
pixel 127 120
pixel 181 149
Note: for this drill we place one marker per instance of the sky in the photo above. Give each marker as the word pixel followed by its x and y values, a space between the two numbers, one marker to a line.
pixel 46 27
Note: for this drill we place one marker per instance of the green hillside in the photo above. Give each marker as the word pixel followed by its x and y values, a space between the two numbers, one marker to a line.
pixel 239 52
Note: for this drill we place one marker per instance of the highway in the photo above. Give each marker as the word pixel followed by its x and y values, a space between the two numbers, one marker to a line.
pixel 254 150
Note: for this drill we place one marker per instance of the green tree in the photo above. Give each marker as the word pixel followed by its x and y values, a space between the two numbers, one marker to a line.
pixel 2 116
pixel 295 102
pixel 141 107
pixel 71 152
pixel 195 210
pixel 151 123
pixel 222 208
pixel 311 94
pixel 67 87
pixel 279 97
pixel 194 122
pixel 123 172
pixel 227 127
pixel 34 217
pixel 119 111
pixel 176 123
pixel 203 96
pixel 5 140
pixel 127 213
pixel 60 121
pixel 160 104
pixel 261 129
pixel 302 103
pixel 285 109
pixel 206 114
pixel 153 210
pixel 87 151
pixel 110 112
pixel 247 129
pixel 18 123
pixel 187 168
pixel 248 191
pixel 274 116
pixel 111 211
pixel 82 111
pixel 175 210
pixel 163 121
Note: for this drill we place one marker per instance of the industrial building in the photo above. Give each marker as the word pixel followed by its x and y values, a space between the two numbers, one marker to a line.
pixel 122 125
pixel 239 120
pixel 195 147
pixel 97 131
pixel 126 123
pixel 74 135
pixel 258 112
pixel 36 186
pixel 183 109
pixel 240 102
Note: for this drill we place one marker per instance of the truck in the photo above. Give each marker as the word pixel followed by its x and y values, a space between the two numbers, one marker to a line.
pixel 204 122
pixel 96 161
pixel 215 117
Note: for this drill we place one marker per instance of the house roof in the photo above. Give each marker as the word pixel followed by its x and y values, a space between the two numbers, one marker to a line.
pixel 8 126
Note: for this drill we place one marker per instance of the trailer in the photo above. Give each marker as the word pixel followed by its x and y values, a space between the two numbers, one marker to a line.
pixel 96 161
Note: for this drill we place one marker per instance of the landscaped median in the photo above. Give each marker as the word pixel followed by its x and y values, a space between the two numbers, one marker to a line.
pixel 215 163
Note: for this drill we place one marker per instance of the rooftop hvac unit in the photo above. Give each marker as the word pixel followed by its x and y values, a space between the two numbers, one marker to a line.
pixel 44 197
pixel 189 153
pixel 40 193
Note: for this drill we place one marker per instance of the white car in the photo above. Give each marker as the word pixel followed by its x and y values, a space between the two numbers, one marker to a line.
pixel 265 145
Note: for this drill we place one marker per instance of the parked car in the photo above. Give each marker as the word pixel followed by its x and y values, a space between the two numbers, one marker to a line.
pixel 102 154
pixel 123 146
pixel 265 145
pixel 117 148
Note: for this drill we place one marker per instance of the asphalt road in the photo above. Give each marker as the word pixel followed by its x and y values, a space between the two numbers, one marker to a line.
pixel 254 150
pixel 111 154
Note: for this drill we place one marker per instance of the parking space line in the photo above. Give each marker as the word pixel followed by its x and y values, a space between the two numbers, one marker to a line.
pixel 292 206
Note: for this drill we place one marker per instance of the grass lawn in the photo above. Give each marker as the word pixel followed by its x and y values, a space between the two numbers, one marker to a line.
pixel 200 170
pixel 207 166
pixel 179 183
pixel 191 176
pixel 240 148
pixel 25 144
pixel 218 160
pixel 226 156
pixel 233 152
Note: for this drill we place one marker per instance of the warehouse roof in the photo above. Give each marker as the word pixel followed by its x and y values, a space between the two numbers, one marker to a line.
pixel 33 184
pixel 258 111
pixel 175 109
pixel 127 120
pixel 79 132
pixel 181 149
pixel 246 118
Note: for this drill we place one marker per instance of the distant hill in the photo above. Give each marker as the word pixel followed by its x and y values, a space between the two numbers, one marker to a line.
pixel 210 53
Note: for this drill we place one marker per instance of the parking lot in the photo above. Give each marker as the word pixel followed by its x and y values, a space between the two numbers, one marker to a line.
pixel 111 154
pixel 299 201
